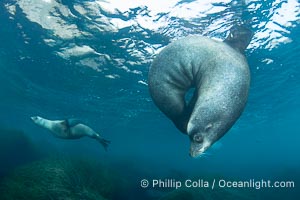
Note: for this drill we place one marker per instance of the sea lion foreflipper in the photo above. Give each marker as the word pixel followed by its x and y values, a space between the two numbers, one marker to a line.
pixel 239 37
pixel 67 124
pixel 73 122
pixel 65 127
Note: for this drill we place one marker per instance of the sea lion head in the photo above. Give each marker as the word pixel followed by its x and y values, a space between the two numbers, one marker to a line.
pixel 201 140
pixel 36 119
pixel 206 126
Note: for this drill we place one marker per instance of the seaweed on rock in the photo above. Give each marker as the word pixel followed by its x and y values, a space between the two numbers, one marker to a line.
pixel 63 179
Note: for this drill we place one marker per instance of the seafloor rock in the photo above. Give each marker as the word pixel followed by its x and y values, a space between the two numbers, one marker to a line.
pixel 63 179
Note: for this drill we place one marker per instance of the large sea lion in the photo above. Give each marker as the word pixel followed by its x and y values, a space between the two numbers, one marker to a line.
pixel 220 75
pixel 69 129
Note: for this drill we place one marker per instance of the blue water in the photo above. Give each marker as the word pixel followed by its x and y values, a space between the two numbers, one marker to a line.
pixel 90 60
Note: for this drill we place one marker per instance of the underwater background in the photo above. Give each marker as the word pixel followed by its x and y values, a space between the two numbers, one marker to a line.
pixel 89 60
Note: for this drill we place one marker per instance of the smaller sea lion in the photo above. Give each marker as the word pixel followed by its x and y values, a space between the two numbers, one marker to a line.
pixel 69 129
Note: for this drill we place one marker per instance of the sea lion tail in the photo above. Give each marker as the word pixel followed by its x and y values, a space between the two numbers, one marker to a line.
pixel 104 142
pixel 239 37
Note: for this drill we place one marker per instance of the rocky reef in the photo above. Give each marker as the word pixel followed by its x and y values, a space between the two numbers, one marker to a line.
pixel 62 179
pixel 65 178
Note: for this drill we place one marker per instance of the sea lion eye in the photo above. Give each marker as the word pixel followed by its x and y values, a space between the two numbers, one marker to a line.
pixel 198 138
pixel 208 127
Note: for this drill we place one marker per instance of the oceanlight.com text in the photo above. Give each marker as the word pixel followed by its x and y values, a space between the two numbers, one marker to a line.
pixel 257 184
pixel 215 183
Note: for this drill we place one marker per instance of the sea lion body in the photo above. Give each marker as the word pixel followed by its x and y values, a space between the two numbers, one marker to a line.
pixel 69 129
pixel 221 78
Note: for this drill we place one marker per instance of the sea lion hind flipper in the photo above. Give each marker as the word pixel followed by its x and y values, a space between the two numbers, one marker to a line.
pixel 104 142
pixel 239 37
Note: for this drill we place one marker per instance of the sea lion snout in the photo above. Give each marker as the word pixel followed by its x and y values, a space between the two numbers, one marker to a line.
pixel 197 147
pixel 202 134
pixel 35 118
pixel 199 144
